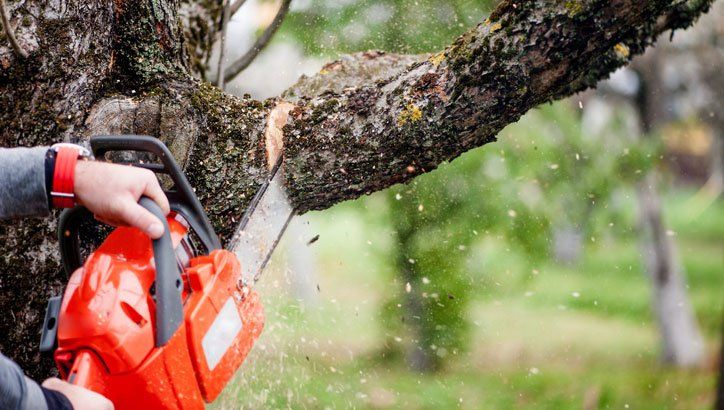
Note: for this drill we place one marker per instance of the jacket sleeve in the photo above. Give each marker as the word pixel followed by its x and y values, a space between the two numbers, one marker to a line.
pixel 22 182
pixel 16 390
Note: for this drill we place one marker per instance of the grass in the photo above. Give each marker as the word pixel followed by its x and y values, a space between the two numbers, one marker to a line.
pixel 565 337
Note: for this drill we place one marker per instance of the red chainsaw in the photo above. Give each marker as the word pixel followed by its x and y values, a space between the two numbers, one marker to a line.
pixel 161 324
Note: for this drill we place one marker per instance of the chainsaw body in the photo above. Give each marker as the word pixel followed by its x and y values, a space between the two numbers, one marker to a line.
pixel 157 324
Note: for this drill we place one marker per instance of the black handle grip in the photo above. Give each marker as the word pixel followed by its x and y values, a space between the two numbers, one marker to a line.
pixel 169 310
pixel 182 199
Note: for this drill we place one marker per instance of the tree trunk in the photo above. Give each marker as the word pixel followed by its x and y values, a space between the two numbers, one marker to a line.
pixel 119 66
pixel 715 184
pixel 567 244
pixel 416 320
pixel 681 340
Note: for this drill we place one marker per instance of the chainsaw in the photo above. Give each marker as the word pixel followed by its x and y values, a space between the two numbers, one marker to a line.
pixel 161 324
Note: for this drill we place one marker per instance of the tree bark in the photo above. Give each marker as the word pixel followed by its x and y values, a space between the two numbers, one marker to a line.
pixel 102 66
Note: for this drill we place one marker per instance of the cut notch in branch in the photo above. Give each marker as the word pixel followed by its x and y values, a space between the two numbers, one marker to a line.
pixel 274 134
pixel 5 19
pixel 242 63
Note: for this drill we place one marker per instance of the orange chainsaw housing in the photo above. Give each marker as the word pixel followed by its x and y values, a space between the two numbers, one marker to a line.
pixel 106 325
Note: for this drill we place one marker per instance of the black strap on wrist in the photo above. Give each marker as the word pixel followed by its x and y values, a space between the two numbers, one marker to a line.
pixel 56 400
pixel 49 170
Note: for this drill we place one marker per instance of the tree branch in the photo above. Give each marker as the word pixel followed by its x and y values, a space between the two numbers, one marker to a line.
pixel 343 144
pixel 236 6
pixel 9 32
pixel 244 61
pixel 220 78
pixel 352 71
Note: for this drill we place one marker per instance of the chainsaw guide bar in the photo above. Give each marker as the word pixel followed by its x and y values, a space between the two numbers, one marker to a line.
pixel 262 227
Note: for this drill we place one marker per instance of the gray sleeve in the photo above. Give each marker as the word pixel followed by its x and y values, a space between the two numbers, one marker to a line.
pixel 18 392
pixel 22 182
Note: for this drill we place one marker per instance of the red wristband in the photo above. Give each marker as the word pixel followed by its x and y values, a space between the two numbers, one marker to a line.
pixel 64 177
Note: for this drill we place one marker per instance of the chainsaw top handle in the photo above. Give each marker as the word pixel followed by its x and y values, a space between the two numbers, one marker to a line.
pixel 181 197
pixel 169 310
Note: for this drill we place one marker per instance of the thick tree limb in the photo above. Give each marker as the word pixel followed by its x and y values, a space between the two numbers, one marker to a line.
pixel 122 66
pixel 526 54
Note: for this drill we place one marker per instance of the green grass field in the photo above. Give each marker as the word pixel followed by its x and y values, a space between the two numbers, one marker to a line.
pixel 564 337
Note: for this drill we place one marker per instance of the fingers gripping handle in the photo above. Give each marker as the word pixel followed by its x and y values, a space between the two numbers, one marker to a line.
pixel 182 198
pixel 169 310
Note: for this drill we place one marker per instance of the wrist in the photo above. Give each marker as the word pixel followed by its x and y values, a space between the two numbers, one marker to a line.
pixel 64 159
pixel 56 400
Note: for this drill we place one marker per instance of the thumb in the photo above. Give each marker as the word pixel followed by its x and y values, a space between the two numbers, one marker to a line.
pixel 51 382
pixel 138 217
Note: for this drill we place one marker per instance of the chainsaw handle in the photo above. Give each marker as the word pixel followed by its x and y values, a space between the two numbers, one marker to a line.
pixel 169 309
pixel 182 198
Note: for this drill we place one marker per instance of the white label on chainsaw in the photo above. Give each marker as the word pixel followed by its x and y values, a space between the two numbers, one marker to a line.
pixel 221 334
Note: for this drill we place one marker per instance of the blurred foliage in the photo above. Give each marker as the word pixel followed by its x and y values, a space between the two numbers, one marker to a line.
pixel 545 172
pixel 430 301
pixel 433 316
pixel 480 229
pixel 330 27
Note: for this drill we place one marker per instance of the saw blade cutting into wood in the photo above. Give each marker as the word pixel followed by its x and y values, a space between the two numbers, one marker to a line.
pixel 262 227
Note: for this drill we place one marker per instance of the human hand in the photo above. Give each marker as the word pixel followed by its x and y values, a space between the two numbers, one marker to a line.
pixel 80 398
pixel 111 192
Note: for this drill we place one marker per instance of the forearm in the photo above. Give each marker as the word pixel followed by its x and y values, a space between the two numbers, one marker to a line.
pixel 22 182
pixel 16 390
